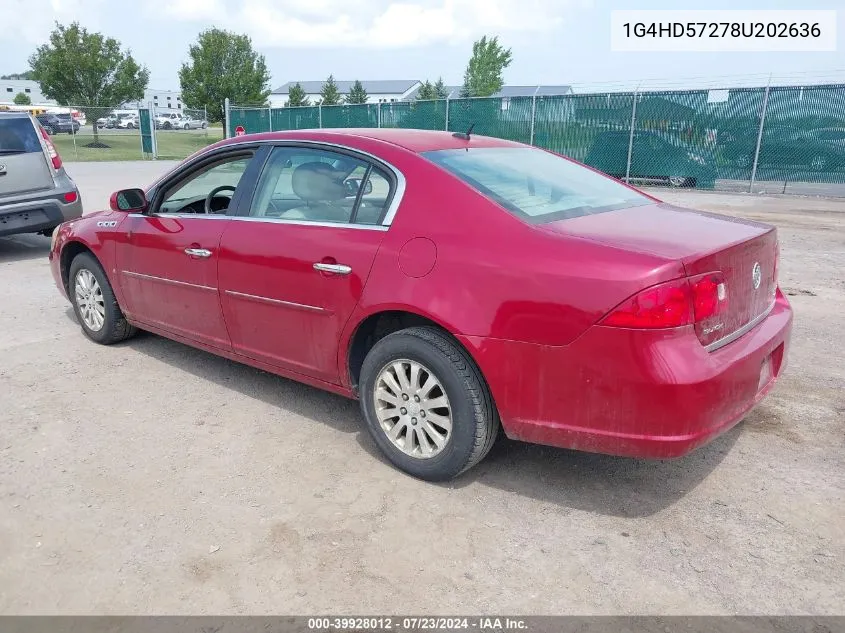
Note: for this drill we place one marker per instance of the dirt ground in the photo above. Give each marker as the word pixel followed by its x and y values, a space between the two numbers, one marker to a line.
pixel 152 478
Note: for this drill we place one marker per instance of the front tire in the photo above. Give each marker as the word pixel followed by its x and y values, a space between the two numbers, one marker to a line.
pixel 426 404
pixel 94 302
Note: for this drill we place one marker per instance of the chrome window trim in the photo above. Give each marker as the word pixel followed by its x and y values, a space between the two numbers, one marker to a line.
pixel 392 209
pixel 245 218
pixel 130 273
pixel 730 338
pixel 289 304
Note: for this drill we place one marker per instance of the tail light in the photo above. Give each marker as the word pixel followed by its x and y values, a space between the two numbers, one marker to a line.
pixel 709 304
pixel 699 301
pixel 663 306
pixel 51 149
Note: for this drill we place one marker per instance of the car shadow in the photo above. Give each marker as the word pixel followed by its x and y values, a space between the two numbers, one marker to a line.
pixel 15 248
pixel 341 414
pixel 603 484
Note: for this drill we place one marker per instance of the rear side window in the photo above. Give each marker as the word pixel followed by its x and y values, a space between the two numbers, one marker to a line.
pixel 535 185
pixel 18 136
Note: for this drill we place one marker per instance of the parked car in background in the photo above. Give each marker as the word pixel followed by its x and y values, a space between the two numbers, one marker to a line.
pixel 168 120
pixel 656 158
pixel 107 122
pixel 128 122
pixel 818 150
pixel 58 123
pixel 451 283
pixel 190 123
pixel 112 119
pixel 36 193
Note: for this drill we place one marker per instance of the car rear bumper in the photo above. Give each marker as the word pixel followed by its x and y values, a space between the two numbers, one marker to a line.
pixel 38 213
pixel 638 393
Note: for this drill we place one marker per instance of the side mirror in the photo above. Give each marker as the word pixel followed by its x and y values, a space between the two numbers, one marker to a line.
pixel 128 201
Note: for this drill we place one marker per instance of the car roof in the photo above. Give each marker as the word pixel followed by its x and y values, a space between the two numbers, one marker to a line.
pixel 409 139
pixel 14 114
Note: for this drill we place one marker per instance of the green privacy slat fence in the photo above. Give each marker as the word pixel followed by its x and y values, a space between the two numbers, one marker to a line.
pixel 691 138
pixel 503 118
pixel 420 115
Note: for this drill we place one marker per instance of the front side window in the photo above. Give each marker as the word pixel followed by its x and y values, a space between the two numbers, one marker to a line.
pixel 535 185
pixel 316 185
pixel 216 182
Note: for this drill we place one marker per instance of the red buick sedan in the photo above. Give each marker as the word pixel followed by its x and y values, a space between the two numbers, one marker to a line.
pixel 451 284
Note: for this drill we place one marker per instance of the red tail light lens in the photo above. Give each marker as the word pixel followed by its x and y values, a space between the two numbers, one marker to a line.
pixel 709 305
pixel 70 196
pixel 51 149
pixel 701 300
pixel 709 296
pixel 663 306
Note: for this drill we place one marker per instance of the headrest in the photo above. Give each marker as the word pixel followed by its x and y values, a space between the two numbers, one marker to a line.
pixel 318 182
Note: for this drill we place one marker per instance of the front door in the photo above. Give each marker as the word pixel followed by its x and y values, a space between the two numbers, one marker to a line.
pixel 292 272
pixel 168 260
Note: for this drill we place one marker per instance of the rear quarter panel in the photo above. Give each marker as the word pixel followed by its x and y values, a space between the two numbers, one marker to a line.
pixel 493 276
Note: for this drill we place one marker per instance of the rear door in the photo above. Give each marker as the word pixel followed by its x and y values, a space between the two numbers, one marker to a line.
pixel 168 257
pixel 293 269
pixel 23 165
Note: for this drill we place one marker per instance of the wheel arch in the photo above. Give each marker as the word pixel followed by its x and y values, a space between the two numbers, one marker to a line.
pixel 374 325
pixel 69 251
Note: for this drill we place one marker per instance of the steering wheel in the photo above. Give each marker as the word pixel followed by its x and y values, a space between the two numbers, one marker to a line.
pixel 213 193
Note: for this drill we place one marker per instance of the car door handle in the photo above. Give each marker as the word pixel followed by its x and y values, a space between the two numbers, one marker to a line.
pixel 198 252
pixel 337 269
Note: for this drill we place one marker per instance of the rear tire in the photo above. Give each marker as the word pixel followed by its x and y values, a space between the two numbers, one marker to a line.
pixel 91 294
pixel 460 396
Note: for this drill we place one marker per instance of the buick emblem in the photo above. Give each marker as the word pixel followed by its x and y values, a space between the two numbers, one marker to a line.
pixel 756 275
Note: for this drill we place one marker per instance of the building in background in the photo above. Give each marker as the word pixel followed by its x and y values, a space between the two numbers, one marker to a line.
pixel 160 100
pixel 9 88
pixel 382 91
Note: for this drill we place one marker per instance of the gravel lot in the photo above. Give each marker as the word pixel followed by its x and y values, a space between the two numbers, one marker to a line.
pixel 149 477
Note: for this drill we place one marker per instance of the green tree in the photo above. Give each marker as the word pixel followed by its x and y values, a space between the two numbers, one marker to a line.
pixel 297 97
pixel 13 76
pixel 329 94
pixel 483 75
pixel 426 92
pixel 22 99
pixel 223 64
pixel 440 90
pixel 87 70
pixel 357 94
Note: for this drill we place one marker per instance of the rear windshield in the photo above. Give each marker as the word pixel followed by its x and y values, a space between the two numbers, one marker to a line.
pixel 535 185
pixel 18 136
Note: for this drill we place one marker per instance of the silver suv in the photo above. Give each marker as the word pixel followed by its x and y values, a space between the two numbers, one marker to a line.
pixel 36 193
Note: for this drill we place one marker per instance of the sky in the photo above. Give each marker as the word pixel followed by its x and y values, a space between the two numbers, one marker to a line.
pixel 553 41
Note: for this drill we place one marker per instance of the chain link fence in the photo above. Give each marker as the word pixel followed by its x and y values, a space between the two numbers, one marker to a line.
pixel 114 133
pixel 783 139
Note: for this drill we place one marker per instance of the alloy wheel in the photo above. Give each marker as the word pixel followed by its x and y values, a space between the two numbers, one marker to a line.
pixel 413 409
pixel 89 300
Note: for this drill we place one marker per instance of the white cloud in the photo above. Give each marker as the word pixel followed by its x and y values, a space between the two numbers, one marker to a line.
pixel 30 21
pixel 305 23
pixel 375 23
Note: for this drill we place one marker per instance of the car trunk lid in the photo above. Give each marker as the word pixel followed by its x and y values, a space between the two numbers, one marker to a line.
pixel 742 251
pixel 23 165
